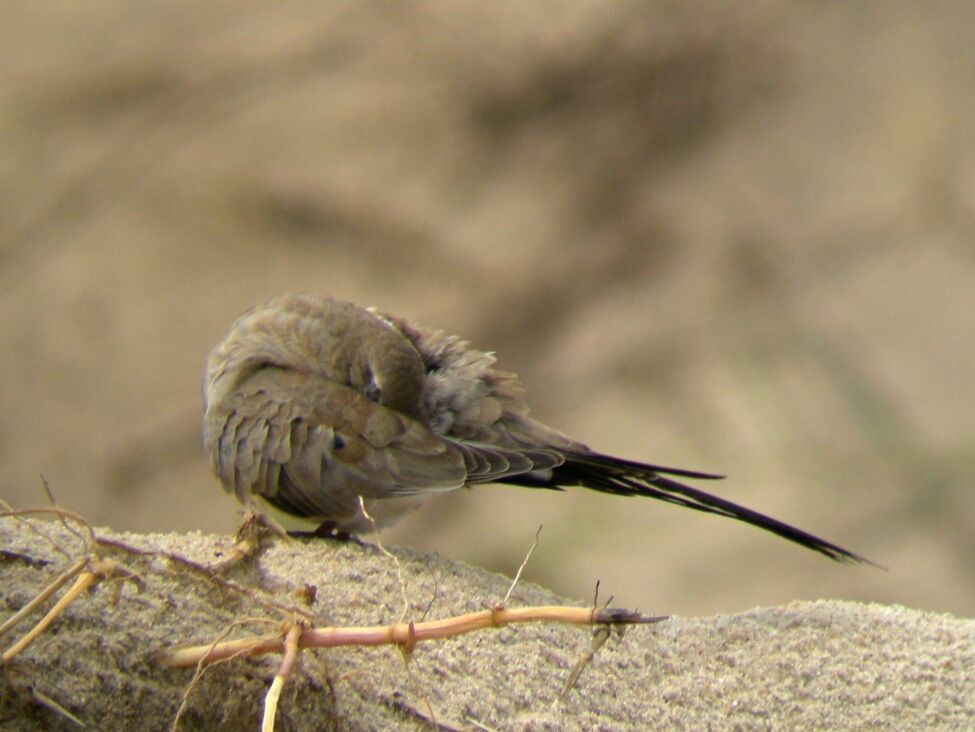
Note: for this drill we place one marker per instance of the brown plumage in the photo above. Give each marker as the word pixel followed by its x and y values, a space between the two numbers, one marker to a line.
pixel 312 402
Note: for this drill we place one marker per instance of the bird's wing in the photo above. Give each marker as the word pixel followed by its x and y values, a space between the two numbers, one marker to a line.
pixel 317 446
pixel 313 447
pixel 490 463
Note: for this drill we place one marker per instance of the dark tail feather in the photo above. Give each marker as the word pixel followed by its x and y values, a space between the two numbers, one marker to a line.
pixel 626 478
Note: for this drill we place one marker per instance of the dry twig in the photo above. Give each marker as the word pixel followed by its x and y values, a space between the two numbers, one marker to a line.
pixel 87 571
pixel 291 648
pixel 407 634
pixel 521 568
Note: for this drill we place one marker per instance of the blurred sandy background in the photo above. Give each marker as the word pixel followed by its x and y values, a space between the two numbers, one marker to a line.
pixel 725 239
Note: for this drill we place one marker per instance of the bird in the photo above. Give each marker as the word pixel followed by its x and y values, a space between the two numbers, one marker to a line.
pixel 351 417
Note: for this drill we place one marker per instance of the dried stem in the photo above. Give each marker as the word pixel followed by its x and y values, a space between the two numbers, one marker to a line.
pixel 86 579
pixel 600 637
pixel 208 573
pixel 514 582
pixel 406 634
pixel 56 584
pixel 253 536
pixel 386 552
pixel 291 648
pixel 61 516
pixel 197 676
pixel 10 512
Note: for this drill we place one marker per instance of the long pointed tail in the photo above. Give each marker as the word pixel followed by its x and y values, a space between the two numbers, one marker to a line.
pixel 608 474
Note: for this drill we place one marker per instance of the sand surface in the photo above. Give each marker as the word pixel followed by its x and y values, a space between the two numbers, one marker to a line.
pixel 809 665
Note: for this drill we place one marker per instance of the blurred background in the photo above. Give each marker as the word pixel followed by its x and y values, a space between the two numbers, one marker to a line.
pixel 735 239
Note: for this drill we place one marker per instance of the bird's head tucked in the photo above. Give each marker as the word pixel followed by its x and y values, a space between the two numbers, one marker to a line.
pixel 315 334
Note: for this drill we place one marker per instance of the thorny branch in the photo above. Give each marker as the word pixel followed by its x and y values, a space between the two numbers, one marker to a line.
pixel 407 634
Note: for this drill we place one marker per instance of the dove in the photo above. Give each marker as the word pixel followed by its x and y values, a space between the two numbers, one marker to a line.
pixel 351 417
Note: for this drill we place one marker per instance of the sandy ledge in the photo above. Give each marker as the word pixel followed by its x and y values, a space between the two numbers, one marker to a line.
pixel 827 664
